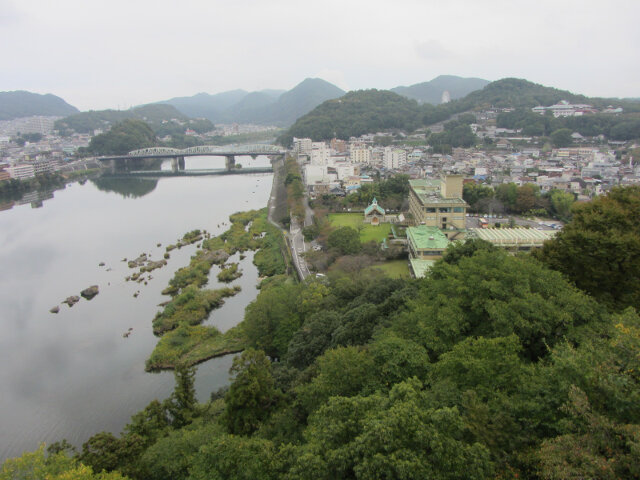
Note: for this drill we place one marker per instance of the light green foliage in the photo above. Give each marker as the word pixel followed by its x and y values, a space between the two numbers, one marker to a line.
pixel 189 345
pixel 599 250
pixel 366 231
pixel 190 307
pixel 229 273
pixel 35 466
pixel 236 457
pixel 561 203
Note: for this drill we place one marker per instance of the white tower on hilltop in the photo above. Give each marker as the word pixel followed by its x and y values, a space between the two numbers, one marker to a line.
pixel 446 97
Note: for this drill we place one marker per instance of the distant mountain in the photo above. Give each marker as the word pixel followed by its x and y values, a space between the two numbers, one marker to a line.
pixel 26 104
pixel 204 105
pixel 300 100
pixel 87 122
pixel 431 92
pixel 276 107
pixel 356 113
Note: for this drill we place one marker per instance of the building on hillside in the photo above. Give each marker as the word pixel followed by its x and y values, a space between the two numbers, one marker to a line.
pixel 438 203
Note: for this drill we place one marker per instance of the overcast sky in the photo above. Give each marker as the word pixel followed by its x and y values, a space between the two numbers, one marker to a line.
pixel 118 53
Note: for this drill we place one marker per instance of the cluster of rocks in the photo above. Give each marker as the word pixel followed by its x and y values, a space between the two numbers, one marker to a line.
pixel 88 293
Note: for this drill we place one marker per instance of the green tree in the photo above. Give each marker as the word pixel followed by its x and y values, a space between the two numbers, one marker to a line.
pixel 35 466
pixel 493 294
pixel 182 405
pixel 561 203
pixel 561 138
pixel 251 395
pixel 599 250
pixel 345 240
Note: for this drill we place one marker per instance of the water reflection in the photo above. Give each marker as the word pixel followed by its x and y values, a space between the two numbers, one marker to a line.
pixel 72 374
pixel 128 187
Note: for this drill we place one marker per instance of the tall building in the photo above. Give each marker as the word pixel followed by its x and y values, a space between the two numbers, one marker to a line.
pixel 394 158
pixel 320 153
pixel 446 97
pixel 439 203
pixel 302 146
pixel 360 154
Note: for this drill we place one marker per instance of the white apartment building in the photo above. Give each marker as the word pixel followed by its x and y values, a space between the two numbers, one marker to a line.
pixel 360 154
pixel 320 153
pixel 345 170
pixel 302 146
pixel 22 170
pixel 315 174
pixel 394 158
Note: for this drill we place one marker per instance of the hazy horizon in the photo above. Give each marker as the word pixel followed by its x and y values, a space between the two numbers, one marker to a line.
pixel 121 54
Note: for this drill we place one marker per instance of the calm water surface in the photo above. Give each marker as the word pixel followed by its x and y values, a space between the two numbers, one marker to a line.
pixel 72 374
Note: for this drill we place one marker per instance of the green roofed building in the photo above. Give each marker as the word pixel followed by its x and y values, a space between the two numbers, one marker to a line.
pixel 426 243
pixel 374 213
pixel 419 268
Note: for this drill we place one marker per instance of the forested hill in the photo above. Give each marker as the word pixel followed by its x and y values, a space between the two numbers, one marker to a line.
pixel 87 122
pixel 370 111
pixel 26 104
pixel 357 113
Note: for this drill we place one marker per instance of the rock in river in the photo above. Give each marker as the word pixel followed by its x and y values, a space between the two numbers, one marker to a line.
pixel 72 300
pixel 90 292
pixel 55 309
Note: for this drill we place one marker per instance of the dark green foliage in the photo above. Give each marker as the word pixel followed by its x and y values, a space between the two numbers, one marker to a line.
pixel 182 405
pixel 345 240
pixel 252 393
pixel 123 137
pixel 493 294
pixel 87 122
pixel 561 138
pixel 354 114
pixel 599 250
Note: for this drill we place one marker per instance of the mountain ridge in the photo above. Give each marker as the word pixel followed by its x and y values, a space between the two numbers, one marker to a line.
pixel 21 103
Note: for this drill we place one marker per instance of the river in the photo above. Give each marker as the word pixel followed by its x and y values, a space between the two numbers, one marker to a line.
pixel 73 374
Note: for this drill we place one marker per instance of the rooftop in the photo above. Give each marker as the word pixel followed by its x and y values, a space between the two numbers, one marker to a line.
pixel 512 237
pixel 421 267
pixel 424 237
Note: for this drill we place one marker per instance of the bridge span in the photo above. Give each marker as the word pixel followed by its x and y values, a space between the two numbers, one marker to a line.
pixel 178 155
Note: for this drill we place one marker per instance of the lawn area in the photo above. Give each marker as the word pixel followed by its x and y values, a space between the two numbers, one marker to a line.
pixel 394 268
pixel 354 220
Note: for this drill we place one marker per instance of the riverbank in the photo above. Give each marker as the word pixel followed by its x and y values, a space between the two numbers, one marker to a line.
pixel 184 341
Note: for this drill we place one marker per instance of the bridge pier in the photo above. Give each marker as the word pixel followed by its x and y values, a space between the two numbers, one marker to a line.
pixel 230 162
pixel 177 163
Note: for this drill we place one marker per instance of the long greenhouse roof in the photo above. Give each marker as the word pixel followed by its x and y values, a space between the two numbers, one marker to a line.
pixel 514 236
